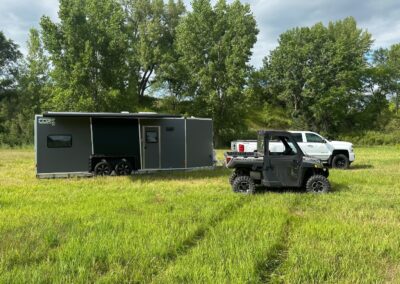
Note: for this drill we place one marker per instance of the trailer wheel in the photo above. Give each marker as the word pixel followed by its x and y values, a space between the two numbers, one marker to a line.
pixel 123 168
pixel 102 168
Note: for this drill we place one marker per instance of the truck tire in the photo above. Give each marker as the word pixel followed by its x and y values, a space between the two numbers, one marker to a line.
pixel 243 184
pixel 102 168
pixel 340 161
pixel 318 184
pixel 123 168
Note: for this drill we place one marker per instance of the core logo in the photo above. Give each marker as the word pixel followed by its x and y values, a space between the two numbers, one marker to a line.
pixel 46 120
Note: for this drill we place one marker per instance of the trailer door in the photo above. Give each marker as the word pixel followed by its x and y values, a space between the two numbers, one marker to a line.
pixel 152 147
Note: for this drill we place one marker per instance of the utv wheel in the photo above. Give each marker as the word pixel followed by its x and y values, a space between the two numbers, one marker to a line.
pixel 244 184
pixel 232 178
pixel 340 161
pixel 102 168
pixel 318 184
pixel 123 168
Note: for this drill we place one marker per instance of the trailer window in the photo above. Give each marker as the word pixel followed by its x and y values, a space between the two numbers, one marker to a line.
pixel 59 141
pixel 151 137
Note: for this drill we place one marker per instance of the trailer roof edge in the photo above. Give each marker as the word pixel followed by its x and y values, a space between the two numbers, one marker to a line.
pixel 108 114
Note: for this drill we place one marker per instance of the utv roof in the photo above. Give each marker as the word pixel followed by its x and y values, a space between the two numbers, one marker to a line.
pixel 110 114
pixel 274 132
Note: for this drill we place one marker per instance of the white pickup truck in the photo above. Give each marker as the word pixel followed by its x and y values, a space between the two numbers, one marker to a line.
pixel 337 154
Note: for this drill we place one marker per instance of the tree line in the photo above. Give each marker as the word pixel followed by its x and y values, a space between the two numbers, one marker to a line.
pixel 135 55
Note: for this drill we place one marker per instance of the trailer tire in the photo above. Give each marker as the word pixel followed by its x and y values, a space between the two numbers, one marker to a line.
pixel 123 168
pixel 318 184
pixel 244 184
pixel 102 168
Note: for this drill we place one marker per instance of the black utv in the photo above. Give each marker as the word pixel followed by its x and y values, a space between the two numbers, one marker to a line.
pixel 278 162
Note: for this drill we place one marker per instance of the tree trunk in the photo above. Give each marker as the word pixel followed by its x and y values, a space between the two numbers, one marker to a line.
pixel 143 84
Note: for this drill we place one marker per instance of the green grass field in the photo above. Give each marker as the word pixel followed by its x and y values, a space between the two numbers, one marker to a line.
pixel 190 227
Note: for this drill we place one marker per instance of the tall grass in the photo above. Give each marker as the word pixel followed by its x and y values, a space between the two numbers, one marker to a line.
pixel 190 227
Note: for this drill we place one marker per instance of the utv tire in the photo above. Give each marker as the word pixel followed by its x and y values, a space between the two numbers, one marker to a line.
pixel 232 178
pixel 318 184
pixel 243 184
pixel 102 168
pixel 340 161
pixel 123 168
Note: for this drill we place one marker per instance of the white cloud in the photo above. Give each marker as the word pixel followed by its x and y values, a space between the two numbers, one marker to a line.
pixel 381 18
pixel 18 16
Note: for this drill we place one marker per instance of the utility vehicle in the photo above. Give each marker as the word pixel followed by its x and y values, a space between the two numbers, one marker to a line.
pixel 275 167
pixel 336 154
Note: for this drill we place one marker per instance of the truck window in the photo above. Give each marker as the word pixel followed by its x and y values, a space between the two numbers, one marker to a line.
pixel 313 138
pixel 297 137
pixel 281 146
pixel 59 141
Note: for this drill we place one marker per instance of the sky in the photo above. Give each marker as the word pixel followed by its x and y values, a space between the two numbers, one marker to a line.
pixel 380 17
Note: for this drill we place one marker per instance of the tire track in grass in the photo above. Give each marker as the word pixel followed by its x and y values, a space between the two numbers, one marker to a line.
pixel 194 239
pixel 268 269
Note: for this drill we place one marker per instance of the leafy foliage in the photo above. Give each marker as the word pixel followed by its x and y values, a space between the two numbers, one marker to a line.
pixel 153 55
pixel 88 49
pixel 317 73
pixel 215 46
pixel 9 70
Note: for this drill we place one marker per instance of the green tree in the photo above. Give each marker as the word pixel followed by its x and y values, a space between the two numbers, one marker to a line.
pixel 9 70
pixel 394 67
pixel 35 79
pixel 151 32
pixel 214 44
pixel 33 92
pixel 317 72
pixel 89 52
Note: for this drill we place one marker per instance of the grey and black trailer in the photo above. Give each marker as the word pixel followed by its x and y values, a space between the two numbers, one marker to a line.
pixel 85 144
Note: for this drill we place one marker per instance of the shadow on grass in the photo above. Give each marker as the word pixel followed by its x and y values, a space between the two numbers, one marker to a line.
pixel 360 167
pixel 339 187
pixel 335 187
pixel 263 189
pixel 217 172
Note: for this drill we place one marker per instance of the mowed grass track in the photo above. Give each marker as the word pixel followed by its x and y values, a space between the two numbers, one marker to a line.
pixel 190 227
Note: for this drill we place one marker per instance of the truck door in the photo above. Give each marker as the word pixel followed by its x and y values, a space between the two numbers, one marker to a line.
pixel 151 147
pixel 316 146
pixel 281 167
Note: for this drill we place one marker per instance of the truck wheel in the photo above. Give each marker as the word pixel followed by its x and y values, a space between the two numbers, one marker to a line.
pixel 123 168
pixel 340 161
pixel 232 178
pixel 102 168
pixel 243 184
pixel 318 184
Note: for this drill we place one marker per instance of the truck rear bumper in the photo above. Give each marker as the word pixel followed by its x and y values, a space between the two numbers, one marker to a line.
pixel 352 157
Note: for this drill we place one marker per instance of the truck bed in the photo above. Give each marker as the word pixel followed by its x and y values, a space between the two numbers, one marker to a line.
pixel 242 154
pixel 244 159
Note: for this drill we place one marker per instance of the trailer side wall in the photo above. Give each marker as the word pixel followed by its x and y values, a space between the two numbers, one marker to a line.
pixel 199 142
pixel 54 156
